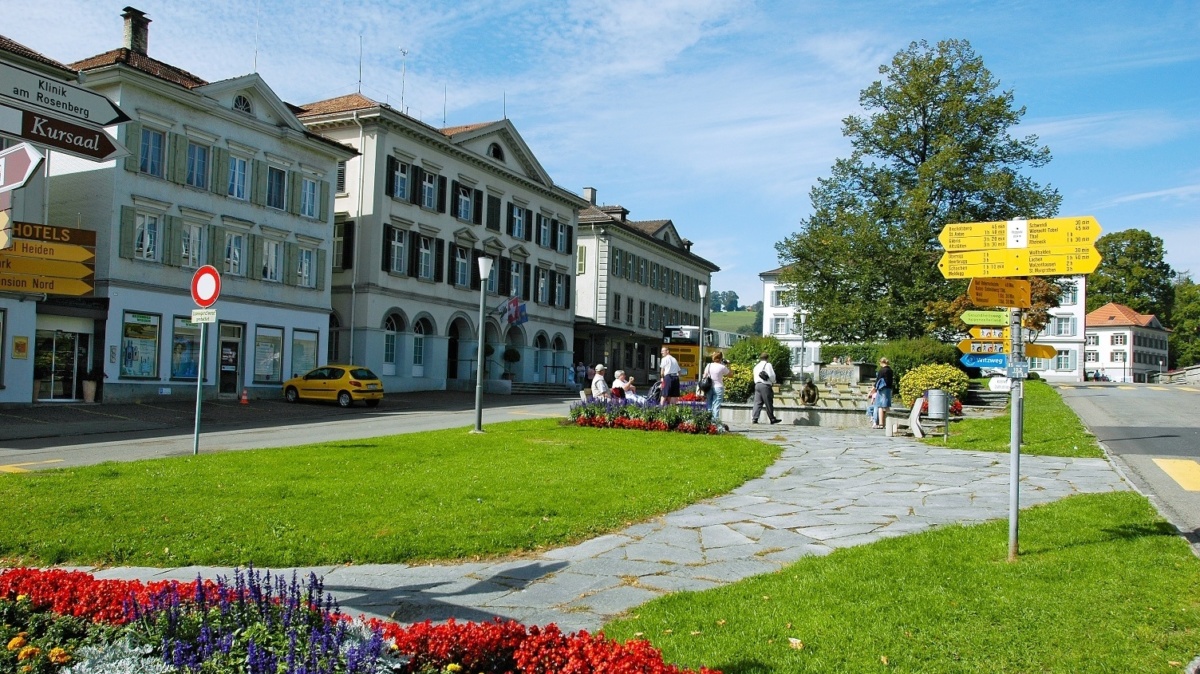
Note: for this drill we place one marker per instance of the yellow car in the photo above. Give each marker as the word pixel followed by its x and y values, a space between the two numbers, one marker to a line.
pixel 343 383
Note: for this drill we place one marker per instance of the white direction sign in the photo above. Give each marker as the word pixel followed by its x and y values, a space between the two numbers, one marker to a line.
pixel 17 165
pixel 30 90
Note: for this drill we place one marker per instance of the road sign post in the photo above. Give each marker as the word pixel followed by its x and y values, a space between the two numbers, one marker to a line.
pixel 206 288
pixel 1017 404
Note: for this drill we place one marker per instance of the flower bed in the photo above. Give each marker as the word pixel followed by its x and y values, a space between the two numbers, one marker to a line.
pixel 68 622
pixel 685 417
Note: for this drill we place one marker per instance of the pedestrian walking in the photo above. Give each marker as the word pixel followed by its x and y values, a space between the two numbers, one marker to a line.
pixel 668 371
pixel 764 395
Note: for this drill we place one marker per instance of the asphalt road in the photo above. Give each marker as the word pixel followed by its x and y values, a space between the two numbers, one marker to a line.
pixel 1153 433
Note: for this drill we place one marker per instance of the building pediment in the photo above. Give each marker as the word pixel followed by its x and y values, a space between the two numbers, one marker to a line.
pixel 499 142
pixel 250 95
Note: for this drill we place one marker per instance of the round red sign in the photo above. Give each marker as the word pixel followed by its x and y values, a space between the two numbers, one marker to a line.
pixel 206 286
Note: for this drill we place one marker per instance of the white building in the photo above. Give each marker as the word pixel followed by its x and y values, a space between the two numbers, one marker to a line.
pixel 786 322
pixel 1123 345
pixel 633 277
pixel 415 212
pixel 1064 331
pixel 219 173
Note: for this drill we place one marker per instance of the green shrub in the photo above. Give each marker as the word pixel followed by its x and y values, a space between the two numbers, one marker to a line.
pixel 937 375
pixel 739 384
pixel 905 354
pixel 1033 376
pixel 855 353
pixel 747 351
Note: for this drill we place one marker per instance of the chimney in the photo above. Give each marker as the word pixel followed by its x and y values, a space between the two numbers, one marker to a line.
pixel 137 33
pixel 589 193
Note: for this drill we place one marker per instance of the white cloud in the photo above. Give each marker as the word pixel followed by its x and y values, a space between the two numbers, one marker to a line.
pixel 1181 193
pixel 1120 130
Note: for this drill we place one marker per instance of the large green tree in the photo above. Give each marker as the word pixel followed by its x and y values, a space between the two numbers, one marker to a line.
pixel 1184 341
pixel 1132 272
pixel 933 148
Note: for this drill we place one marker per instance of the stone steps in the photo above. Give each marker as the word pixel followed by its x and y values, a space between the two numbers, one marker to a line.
pixel 542 389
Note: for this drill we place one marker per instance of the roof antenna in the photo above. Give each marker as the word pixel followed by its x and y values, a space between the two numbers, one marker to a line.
pixel 403 72
pixel 256 16
pixel 360 63
pixel 504 105
pixel 445 96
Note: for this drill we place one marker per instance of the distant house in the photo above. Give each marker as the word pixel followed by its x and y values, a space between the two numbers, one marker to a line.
pixel 1124 345
pixel 786 322
pixel 1064 332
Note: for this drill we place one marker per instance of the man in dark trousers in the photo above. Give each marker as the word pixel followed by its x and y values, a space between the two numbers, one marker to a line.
pixel 764 395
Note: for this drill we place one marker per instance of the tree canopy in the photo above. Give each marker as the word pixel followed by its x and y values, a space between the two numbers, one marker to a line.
pixel 933 148
pixel 1184 341
pixel 1132 272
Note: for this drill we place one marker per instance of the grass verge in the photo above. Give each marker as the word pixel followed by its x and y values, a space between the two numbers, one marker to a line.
pixel 1102 585
pixel 405 498
pixel 1050 429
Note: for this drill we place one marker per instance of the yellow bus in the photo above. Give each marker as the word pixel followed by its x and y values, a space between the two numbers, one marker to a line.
pixel 684 343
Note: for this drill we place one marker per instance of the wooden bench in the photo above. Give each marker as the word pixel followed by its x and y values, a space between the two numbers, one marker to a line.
pixel 912 422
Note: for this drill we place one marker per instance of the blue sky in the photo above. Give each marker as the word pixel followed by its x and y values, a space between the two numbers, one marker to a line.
pixel 717 114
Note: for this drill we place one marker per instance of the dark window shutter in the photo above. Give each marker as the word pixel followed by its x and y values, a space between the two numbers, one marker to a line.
pixel 477 207
pixel 348 245
pixel 503 286
pixel 454 198
pixel 386 252
pixel 441 194
pixel 389 180
pixel 416 180
pixel 128 231
pixel 439 260
pixel 493 213
pixel 567 291
pixel 475 279
pixel 414 254
pixel 525 282
pixel 511 210
pixel 554 234
pixel 528 226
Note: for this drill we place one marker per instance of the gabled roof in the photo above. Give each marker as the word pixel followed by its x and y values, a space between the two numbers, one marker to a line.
pixel 662 232
pixel 347 103
pixel 143 63
pixel 14 47
pixel 254 83
pixel 1113 315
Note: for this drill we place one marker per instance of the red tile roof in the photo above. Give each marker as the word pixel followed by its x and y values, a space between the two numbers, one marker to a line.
pixel 14 47
pixel 139 61
pixel 1113 314
pixel 347 103
pixel 451 130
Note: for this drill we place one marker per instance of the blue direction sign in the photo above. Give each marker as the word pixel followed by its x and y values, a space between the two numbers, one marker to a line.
pixel 976 360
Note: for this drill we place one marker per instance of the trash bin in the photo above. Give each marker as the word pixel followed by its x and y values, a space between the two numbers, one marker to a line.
pixel 939 404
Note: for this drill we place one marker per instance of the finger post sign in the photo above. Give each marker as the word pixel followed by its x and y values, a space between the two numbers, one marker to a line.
pixel 206 286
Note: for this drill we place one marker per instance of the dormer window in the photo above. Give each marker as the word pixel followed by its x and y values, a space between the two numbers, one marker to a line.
pixel 496 152
pixel 242 104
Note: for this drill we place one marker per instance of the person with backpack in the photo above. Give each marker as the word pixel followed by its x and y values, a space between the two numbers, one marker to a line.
pixel 764 395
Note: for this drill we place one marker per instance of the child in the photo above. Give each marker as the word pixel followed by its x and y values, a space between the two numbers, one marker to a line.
pixel 871 405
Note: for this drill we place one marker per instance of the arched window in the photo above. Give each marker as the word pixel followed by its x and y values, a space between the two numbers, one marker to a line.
pixel 496 152
pixel 419 344
pixel 242 104
pixel 391 326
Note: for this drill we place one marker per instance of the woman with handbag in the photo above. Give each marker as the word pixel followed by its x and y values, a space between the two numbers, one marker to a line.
pixel 714 376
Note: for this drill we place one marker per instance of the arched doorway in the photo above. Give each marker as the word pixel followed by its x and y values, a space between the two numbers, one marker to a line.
pixel 458 363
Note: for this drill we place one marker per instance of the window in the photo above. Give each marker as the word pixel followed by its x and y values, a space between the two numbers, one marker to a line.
pixel 543 286
pixel 560 292
pixel 1037 363
pixel 234 246
pixel 580 260
pixel 304 351
pixel 197 165
pixel 1091 356
pixel 268 355
pixel 628 311
pixel 237 178
pixel 1092 340
pixel 429 190
pixel 543 231
pixel 616 312
pixel 191 251
pixel 400 180
pixel 308 198
pixel 777 298
pixel 339 244
pixel 1118 356
pixel 493 277
pixel 1064 326
pixel 146 237
pixel 1069 296
pixel 643 275
pixel 1118 339
pixel 276 187
pixel 419 345
pixel 341 178
pixel 496 152
pixel 139 346
pixel 1065 360
pixel 654 275
pixel 462 267
pixel 185 349
pixel 153 152
pixel 798 356
pixel 516 268
pixel 616 262
pixel 462 202
pixel 779 325
pixel 272 259
pixel 425 258
pixel 306 276
pixel 242 104
pixel 641 314
pixel 518 222
pixel 562 237
pixel 390 328
pixel 399 251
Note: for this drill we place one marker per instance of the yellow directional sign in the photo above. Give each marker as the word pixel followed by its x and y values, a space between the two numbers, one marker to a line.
pixel 67 252
pixel 983 346
pixel 1040 351
pixel 1037 261
pixel 38 267
pixel 1074 231
pixel 24 283
pixel 980 332
pixel 1000 292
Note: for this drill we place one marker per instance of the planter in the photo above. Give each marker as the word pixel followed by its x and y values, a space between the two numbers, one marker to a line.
pixel 89 391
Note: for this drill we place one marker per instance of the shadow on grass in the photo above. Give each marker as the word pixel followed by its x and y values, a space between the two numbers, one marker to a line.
pixel 744 667
pixel 1124 532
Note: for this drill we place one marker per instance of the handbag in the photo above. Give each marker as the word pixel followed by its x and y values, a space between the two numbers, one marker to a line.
pixel 706 384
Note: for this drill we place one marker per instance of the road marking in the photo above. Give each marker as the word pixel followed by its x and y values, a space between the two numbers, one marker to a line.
pixel 17 467
pixel 1158 388
pixel 1186 472
pixel 1128 388
pixel 1187 388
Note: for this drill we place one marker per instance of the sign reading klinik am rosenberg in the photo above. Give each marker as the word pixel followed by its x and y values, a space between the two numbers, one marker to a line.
pixel 29 90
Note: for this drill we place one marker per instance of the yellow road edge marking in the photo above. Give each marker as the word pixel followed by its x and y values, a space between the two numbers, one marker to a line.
pixel 1158 388
pixel 1185 472
pixel 1127 388
pixel 12 469
pixel 1188 388
pixel 17 467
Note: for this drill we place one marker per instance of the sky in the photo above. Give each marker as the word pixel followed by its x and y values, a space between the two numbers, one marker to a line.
pixel 719 115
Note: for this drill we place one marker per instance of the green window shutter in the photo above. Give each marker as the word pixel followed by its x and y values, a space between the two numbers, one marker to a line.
pixel 174 239
pixel 321 269
pixel 128 229
pixel 133 143
pixel 177 146
pixel 295 180
pixel 216 247
pixel 254 270
pixel 289 263
pixel 324 205
pixel 220 171
pixel 258 182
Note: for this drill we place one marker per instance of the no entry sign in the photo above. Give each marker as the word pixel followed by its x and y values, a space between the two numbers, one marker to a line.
pixel 206 286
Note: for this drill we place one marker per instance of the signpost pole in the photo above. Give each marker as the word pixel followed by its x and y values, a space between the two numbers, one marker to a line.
pixel 199 380
pixel 1016 400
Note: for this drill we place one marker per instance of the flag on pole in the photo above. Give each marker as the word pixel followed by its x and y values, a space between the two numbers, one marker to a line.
pixel 522 315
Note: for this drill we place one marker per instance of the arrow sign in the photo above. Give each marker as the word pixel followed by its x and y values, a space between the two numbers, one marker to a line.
pixel 68 137
pixel 984 317
pixel 42 267
pixel 995 360
pixel 5 231
pixel 32 91
pixel 1000 292
pixel 1040 351
pixel 1039 261
pixel 1074 231
pixel 17 165
pixel 989 333
pixel 49 251
pixel 24 283
pixel 987 346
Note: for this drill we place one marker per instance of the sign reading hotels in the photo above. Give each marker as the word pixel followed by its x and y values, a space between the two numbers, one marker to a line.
pixel 48 259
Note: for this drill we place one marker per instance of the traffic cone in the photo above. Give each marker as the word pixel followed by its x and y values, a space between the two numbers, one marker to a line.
pixel 245 398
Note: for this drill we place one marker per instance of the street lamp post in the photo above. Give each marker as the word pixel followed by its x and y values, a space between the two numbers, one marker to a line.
pixel 703 292
pixel 803 320
pixel 485 271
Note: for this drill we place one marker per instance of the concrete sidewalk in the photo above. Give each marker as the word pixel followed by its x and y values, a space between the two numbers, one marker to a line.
pixel 830 489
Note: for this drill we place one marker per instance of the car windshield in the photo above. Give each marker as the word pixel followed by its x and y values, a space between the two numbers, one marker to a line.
pixel 362 373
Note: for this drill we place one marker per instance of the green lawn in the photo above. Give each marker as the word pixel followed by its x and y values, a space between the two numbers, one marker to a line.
pixel 1102 585
pixel 730 321
pixel 405 498
pixel 1050 428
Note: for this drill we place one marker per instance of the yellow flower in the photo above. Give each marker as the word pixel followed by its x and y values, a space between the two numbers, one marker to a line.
pixel 29 652
pixel 17 642
pixel 59 656
pixel 453 668
pixel 22 597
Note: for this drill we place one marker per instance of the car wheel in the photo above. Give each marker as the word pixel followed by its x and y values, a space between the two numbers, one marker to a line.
pixel 372 403
pixel 344 399
pixel 291 395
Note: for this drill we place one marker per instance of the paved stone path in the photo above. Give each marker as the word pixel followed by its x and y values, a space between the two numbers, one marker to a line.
pixel 830 489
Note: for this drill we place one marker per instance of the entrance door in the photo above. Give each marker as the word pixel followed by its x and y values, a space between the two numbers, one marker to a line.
pixel 60 360
pixel 230 379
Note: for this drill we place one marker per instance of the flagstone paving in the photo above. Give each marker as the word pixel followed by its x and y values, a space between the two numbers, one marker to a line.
pixel 830 489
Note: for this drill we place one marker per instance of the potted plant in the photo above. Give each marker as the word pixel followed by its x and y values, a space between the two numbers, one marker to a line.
pixel 91 381
pixel 511 356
